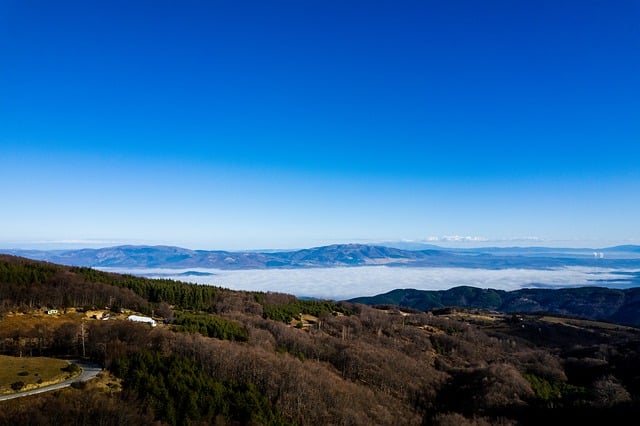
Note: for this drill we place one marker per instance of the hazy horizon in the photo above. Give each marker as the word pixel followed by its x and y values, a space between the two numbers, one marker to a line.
pixel 441 243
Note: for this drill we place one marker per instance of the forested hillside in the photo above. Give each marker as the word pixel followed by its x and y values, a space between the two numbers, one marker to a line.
pixel 597 303
pixel 226 357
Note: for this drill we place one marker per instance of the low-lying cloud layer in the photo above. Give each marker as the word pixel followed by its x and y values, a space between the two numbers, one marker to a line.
pixel 346 283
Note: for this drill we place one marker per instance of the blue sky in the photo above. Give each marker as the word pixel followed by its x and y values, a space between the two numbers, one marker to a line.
pixel 283 124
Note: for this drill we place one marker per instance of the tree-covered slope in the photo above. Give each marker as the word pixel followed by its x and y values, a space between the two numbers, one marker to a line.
pixel 604 304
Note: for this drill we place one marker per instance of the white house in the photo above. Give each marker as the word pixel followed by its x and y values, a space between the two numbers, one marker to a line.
pixel 138 318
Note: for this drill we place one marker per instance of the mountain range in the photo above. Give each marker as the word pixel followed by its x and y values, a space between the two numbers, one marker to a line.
pixel 130 256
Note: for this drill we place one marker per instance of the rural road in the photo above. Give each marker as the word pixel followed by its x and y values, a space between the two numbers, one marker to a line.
pixel 89 371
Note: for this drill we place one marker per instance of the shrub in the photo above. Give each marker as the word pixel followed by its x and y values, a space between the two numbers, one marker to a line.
pixel 71 368
pixel 79 385
pixel 16 386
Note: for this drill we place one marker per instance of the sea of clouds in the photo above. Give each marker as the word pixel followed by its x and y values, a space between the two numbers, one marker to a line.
pixel 349 282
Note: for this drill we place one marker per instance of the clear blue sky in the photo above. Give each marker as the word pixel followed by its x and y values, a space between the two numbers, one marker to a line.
pixel 234 124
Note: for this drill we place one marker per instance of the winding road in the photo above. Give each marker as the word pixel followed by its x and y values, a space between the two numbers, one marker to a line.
pixel 89 371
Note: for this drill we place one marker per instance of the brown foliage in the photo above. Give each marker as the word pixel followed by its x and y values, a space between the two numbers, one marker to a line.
pixel 73 407
pixel 608 392
pixel 308 392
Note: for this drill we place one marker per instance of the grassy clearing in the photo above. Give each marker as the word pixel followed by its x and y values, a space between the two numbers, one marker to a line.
pixel 106 382
pixel 34 372
pixel 304 321
pixel 478 318
pixel 13 322
pixel 584 323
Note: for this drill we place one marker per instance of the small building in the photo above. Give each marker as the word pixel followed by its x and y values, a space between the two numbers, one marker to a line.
pixel 52 312
pixel 138 318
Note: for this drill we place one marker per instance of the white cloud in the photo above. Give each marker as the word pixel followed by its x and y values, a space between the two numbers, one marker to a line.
pixel 456 239
pixel 346 283
pixel 476 239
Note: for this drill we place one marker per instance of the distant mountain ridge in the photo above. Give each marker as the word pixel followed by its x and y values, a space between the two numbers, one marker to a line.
pixel 177 257
pixel 129 256
pixel 595 303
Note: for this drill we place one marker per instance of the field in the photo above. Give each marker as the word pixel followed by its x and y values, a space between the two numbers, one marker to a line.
pixel 33 372
pixel 583 323
pixel 20 321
